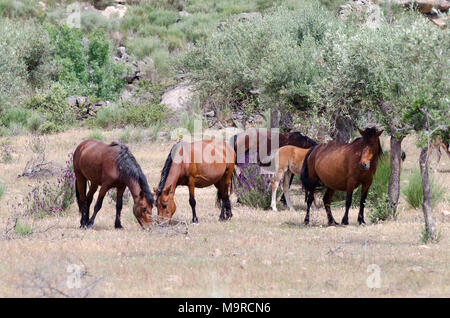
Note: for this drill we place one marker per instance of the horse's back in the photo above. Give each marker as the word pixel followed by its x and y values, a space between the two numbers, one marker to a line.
pixel 207 160
pixel 95 159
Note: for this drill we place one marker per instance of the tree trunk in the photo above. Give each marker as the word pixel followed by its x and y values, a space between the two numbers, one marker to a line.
pixel 394 177
pixel 426 206
pixel 274 120
pixel 342 129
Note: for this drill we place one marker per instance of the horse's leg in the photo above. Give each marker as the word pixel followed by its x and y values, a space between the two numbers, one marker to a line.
pixel 364 191
pixel 192 202
pixel 327 201
pixel 226 194
pixel 90 195
pixel 275 182
pixel 348 203
pixel 98 204
pixel 119 203
pixel 283 197
pixel 81 200
pixel 287 177
pixel 309 199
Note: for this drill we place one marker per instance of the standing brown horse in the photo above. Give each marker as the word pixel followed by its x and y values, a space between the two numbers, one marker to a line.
pixel 342 167
pixel 110 166
pixel 197 165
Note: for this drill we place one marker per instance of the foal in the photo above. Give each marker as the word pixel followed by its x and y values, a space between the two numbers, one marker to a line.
pixel 288 161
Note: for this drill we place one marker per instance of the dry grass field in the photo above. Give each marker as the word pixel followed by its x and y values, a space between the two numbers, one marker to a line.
pixel 256 254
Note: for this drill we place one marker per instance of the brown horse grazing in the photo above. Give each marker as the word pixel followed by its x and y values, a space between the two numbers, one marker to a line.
pixel 342 167
pixel 197 165
pixel 110 166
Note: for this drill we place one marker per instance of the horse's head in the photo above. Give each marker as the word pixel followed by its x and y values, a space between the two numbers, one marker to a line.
pixel 372 147
pixel 165 203
pixel 142 210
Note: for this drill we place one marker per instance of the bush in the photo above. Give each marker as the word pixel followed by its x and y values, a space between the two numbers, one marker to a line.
pixel 23 229
pixel 53 105
pixel 85 71
pixel 49 199
pixel 252 188
pixel 413 191
pixel 24 60
pixel 279 54
pixel 144 115
pixel 96 134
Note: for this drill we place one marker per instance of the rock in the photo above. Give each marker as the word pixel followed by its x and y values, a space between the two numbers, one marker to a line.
pixel 210 114
pixel 118 11
pixel 217 253
pixel 446 213
pixel 162 135
pixel 184 13
pixel 370 12
pixel 243 264
pixel 178 98
pixel 426 6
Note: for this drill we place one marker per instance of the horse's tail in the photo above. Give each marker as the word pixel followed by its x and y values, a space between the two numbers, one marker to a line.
pixel 232 142
pixel 307 184
pixel 77 193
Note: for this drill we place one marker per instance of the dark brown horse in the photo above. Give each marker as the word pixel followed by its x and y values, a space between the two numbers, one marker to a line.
pixel 342 167
pixel 263 143
pixel 110 166
pixel 196 165
pixel 258 145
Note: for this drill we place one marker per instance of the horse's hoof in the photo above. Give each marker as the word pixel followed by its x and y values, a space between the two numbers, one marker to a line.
pixel 306 222
pixel 344 222
pixel 83 226
pixel 90 225
pixel 195 220
pixel 333 223
pixel 362 223
pixel 118 226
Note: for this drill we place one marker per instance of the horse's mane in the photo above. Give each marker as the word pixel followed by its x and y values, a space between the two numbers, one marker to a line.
pixel 166 169
pixel 130 169
pixel 308 140
pixel 370 132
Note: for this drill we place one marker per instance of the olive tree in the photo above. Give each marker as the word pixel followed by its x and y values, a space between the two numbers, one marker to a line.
pixel 397 75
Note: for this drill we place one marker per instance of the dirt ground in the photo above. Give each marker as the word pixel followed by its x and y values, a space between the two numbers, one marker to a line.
pixel 256 254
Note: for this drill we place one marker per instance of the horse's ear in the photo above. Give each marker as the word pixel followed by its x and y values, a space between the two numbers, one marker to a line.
pixel 379 133
pixel 361 131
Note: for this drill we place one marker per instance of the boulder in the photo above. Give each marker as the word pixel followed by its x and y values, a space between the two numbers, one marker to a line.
pixel 178 98
pixel 118 11
pixel 426 6
pixel 367 10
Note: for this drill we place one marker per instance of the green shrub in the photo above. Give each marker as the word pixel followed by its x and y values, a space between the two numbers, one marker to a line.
pixel 23 229
pixel 18 8
pixel 413 191
pixel 144 115
pixel 16 115
pixel 24 60
pixel 53 105
pixel 107 117
pixel 85 71
pixel 97 135
pixel 141 47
